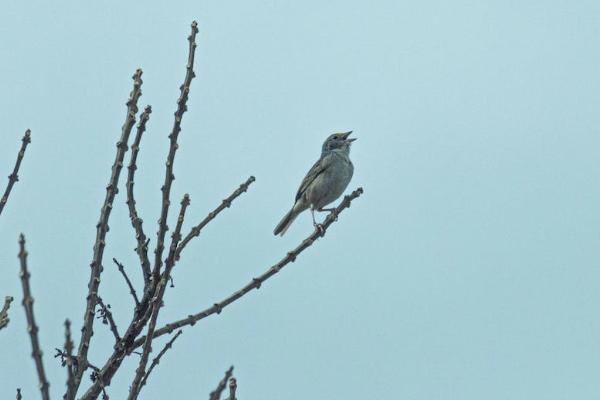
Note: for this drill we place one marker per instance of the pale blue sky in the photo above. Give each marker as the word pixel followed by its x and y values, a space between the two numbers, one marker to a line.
pixel 468 270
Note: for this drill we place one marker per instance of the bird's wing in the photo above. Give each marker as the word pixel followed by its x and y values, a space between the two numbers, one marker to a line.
pixel 317 169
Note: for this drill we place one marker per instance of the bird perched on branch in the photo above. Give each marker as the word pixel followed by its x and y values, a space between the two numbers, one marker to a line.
pixel 325 182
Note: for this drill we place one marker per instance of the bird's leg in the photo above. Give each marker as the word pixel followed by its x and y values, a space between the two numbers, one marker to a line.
pixel 328 210
pixel 317 226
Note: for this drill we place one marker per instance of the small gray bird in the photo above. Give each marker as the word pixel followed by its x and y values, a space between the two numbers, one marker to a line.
pixel 325 182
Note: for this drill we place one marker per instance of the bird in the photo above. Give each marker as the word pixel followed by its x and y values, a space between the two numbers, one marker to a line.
pixel 324 182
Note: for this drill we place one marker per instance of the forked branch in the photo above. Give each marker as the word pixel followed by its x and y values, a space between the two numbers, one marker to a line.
pixel 143 313
pixel 114 362
pixel 216 394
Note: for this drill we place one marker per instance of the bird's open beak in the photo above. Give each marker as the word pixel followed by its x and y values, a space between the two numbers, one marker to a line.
pixel 346 137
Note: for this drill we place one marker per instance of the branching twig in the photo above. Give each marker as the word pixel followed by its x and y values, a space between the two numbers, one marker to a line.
pixel 224 204
pixel 136 221
pixel 216 394
pixel 107 318
pixel 102 228
pixel 257 282
pixel 169 177
pixel 14 177
pixel 4 320
pixel 137 324
pixel 131 289
pixel 232 388
pixel 32 328
pixel 156 359
pixel 69 360
pixel 156 302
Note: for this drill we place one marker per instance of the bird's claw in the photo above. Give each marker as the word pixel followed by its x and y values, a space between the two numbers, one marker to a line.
pixel 320 228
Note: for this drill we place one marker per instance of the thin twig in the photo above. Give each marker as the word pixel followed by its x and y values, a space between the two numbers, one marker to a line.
pixel 14 177
pixel 156 301
pixel 216 394
pixel 4 320
pixel 102 228
pixel 156 359
pixel 107 318
pixel 69 359
pixel 232 388
pixel 195 231
pixel 131 289
pixel 255 283
pixel 169 177
pixel 136 221
pixel 32 328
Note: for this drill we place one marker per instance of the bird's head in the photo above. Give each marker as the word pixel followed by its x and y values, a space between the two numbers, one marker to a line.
pixel 339 141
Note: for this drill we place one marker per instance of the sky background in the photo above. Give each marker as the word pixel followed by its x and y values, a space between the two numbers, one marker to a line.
pixel 470 267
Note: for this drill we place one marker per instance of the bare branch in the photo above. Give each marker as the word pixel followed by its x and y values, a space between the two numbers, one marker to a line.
pixel 107 318
pixel 232 388
pixel 14 177
pixel 4 320
pixel 169 177
pixel 102 228
pixel 136 326
pixel 136 221
pixel 131 289
pixel 255 283
pixel 156 359
pixel 156 302
pixel 32 328
pixel 69 359
pixel 216 394
pixel 141 319
pixel 224 204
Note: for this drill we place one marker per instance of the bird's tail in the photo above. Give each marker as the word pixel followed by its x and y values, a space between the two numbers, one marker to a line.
pixel 286 222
